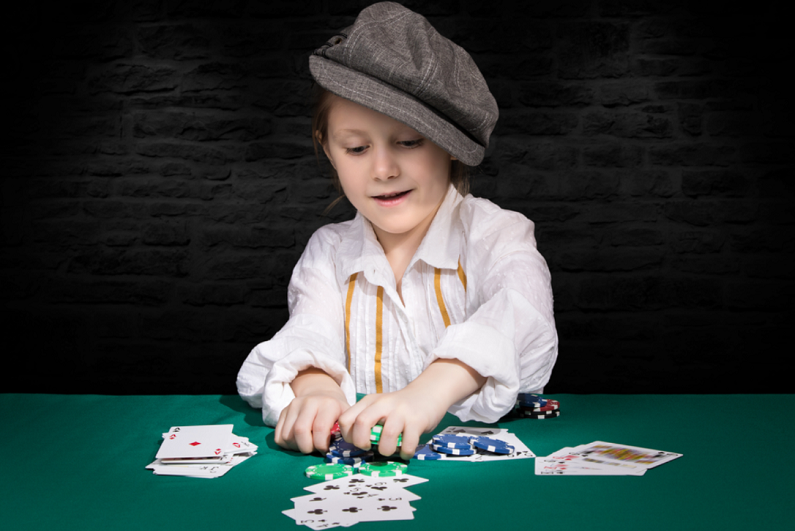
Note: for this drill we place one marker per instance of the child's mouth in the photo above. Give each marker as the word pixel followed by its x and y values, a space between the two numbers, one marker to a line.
pixel 392 198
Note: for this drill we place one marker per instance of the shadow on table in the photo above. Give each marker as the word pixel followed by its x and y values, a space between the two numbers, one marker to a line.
pixel 251 416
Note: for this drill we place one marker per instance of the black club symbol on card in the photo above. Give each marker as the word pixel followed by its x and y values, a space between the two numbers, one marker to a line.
pixel 387 508
pixel 331 487
pixel 317 499
pixel 351 510
pixel 316 511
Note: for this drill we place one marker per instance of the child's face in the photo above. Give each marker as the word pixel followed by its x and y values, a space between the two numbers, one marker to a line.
pixel 394 176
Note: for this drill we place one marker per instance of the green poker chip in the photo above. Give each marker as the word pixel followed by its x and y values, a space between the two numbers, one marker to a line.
pixel 329 471
pixel 375 435
pixel 383 469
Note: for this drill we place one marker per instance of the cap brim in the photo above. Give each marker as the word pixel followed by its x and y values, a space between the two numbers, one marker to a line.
pixel 386 99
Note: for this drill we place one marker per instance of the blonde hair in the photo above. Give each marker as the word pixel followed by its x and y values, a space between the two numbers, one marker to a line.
pixel 322 103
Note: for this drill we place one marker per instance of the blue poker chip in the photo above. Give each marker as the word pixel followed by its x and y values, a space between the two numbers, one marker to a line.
pixel 453 451
pixel 426 453
pixel 451 441
pixel 355 462
pixel 530 400
pixel 342 448
pixel 495 446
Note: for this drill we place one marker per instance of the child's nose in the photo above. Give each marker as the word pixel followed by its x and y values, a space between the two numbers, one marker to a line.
pixel 385 164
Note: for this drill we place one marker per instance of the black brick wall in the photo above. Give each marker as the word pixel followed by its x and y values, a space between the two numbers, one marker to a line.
pixel 159 183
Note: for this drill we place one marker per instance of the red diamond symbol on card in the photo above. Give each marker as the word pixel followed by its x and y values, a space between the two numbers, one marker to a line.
pixel 195 443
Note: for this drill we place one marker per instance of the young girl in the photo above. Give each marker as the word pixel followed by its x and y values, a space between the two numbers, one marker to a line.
pixel 428 300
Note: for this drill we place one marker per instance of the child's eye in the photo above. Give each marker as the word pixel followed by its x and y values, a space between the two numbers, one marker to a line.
pixel 412 143
pixel 355 150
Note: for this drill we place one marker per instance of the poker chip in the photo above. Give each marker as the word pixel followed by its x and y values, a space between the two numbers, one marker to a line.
pixel 453 451
pixel 355 462
pixel 542 415
pixel 375 435
pixel 342 448
pixel 530 399
pixel 495 446
pixel 451 441
pixel 329 471
pixel 426 453
pixel 548 407
pixel 383 469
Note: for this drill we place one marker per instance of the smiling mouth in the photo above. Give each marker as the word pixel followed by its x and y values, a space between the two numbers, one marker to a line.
pixel 394 195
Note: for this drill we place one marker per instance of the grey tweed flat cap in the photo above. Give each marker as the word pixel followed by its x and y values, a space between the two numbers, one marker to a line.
pixel 393 61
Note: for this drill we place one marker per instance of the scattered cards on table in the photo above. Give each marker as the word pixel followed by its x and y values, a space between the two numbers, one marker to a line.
pixel 201 451
pixel 355 498
pixel 601 458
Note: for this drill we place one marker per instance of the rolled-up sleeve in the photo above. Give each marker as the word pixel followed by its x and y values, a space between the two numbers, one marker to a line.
pixel 509 337
pixel 313 336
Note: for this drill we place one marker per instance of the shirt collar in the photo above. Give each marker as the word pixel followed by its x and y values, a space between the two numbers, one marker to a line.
pixel 361 252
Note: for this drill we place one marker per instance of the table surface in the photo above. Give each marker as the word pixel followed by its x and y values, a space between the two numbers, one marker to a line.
pixel 77 462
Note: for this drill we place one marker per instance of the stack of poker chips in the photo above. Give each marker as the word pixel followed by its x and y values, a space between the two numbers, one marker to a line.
pixel 444 446
pixel 381 469
pixel 341 452
pixel 532 406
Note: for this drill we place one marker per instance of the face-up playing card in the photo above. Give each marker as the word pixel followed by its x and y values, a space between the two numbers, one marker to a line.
pixel 567 462
pixel 362 481
pixel 347 509
pixel 622 453
pixel 195 442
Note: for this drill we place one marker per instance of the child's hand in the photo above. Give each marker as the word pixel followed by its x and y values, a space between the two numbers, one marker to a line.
pixel 305 424
pixel 416 409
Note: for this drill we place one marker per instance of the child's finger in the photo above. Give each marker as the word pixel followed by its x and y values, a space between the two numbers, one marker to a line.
pixel 411 439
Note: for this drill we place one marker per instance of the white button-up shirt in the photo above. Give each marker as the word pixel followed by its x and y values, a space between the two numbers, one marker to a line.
pixel 477 290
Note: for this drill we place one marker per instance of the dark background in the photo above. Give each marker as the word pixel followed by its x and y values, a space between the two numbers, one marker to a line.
pixel 159 183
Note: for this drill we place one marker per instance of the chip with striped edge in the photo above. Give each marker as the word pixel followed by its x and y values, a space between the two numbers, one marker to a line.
pixel 327 471
pixel 451 441
pixel 383 469
pixel 495 446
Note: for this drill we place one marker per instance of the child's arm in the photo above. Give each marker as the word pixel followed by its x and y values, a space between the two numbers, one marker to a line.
pixel 416 409
pixel 306 423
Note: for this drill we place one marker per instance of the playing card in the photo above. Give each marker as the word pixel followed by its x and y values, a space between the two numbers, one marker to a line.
pixel 348 509
pixel 567 462
pixel 621 453
pixel 195 442
pixel 360 480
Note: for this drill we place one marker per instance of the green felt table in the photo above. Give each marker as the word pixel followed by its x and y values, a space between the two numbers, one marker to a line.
pixel 77 462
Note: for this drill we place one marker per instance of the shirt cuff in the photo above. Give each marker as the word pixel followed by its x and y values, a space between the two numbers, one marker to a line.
pixel 467 343
pixel 277 392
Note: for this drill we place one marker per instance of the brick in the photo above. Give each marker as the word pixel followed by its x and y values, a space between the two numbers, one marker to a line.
pixel 636 237
pixel 621 212
pixel 698 242
pixel 690 117
pixel 706 265
pixel 127 79
pixel 174 41
pixel 271 298
pixel 228 266
pixel 600 260
pixel 623 93
pixel 165 262
pixel 627 125
pixel 583 185
pixel 537 123
pixel 166 233
pixel 716 183
pixel 248 237
pixel 184 151
pixel 215 294
pixel 692 154
pixel 200 127
pixel 650 183
pixel 144 292
pixel 215 76
pixel 550 94
pixel 592 49
pixel 279 149
pixel 613 155
pixel 516 182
